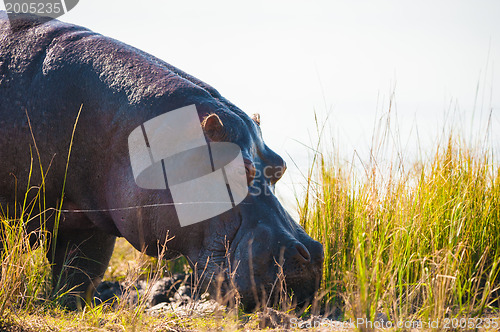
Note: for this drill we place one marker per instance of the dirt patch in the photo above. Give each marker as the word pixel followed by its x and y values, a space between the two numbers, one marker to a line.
pixel 175 295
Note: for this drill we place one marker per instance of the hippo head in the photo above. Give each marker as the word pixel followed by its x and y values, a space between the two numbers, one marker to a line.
pixel 254 247
pixel 257 246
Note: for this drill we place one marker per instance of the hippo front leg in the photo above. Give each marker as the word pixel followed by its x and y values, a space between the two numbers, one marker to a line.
pixel 79 260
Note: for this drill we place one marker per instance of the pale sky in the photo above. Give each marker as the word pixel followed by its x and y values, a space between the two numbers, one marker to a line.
pixel 287 59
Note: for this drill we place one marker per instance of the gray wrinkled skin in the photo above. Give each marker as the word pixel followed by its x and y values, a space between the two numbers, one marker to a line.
pixel 47 71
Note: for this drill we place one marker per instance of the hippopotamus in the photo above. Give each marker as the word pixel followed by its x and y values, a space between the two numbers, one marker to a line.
pixel 69 99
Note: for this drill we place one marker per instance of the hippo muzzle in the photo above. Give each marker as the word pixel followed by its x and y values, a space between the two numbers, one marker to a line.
pixel 274 256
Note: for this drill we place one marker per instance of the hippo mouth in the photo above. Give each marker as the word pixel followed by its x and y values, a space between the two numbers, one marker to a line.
pixel 257 277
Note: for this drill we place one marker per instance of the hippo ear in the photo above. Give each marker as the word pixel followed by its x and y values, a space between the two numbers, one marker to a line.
pixel 213 127
pixel 256 118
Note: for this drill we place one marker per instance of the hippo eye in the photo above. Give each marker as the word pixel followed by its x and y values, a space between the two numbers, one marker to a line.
pixel 250 170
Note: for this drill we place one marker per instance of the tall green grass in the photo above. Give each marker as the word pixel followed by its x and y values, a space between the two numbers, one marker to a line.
pixel 25 273
pixel 414 243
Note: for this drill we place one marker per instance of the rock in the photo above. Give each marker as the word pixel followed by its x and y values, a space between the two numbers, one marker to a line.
pixel 165 290
pixel 107 291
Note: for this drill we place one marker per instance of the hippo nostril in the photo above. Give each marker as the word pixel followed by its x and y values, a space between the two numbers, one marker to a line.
pixel 317 253
pixel 302 253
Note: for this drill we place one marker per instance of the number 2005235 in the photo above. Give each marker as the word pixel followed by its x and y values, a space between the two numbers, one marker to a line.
pixel 34 8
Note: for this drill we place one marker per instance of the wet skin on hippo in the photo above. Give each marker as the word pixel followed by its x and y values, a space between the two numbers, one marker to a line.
pixel 47 72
